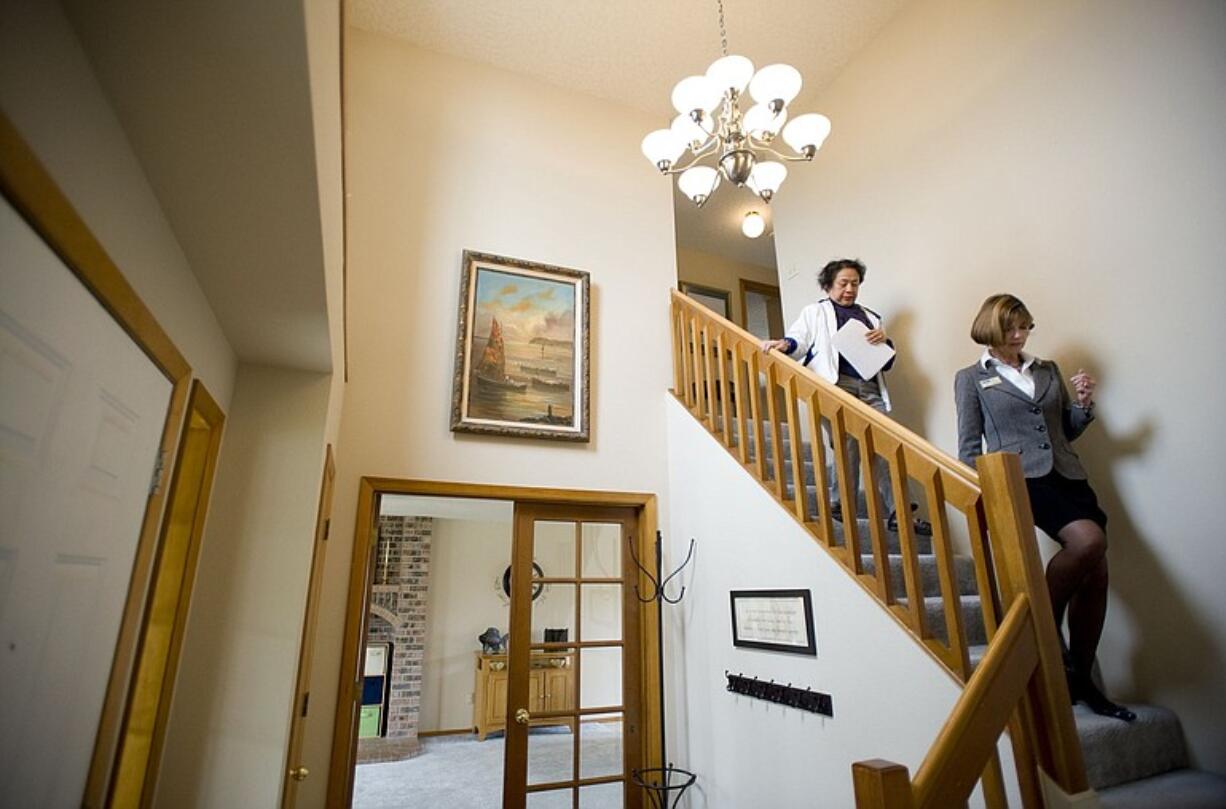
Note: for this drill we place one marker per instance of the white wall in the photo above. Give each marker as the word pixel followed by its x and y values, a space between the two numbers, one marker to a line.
pixel 50 93
pixel 1069 153
pixel 229 720
pixel 467 559
pixel 890 698
pixel 443 156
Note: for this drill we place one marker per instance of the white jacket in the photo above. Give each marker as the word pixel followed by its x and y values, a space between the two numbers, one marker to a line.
pixel 813 332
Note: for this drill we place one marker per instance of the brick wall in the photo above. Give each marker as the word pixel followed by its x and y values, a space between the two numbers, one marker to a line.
pixel 402 574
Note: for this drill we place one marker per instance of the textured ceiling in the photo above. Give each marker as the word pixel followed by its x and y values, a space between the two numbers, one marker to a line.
pixel 632 52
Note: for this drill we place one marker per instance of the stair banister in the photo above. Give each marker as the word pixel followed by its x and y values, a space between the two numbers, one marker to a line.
pixel 727 382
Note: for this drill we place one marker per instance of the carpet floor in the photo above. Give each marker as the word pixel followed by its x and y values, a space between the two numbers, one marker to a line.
pixel 461 772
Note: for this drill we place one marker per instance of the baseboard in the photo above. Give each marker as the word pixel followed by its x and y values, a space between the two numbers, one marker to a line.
pixel 1056 798
pixel 422 734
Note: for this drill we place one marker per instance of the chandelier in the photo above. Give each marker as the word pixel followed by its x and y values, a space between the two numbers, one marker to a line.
pixel 725 142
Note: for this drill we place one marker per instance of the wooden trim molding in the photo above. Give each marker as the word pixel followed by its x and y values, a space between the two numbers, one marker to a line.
pixel 33 192
pixel 361 571
pixel 745 285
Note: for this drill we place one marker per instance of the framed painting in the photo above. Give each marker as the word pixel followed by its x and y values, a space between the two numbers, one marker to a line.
pixel 522 350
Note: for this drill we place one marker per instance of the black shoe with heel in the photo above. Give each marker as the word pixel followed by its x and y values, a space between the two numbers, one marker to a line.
pixel 1082 689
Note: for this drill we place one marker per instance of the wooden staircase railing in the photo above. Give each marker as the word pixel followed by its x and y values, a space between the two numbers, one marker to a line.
pixel 759 406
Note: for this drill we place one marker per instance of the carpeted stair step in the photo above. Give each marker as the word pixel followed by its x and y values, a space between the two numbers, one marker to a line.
pixel 930 577
pixel 1177 789
pixel 1119 752
pixel 972 618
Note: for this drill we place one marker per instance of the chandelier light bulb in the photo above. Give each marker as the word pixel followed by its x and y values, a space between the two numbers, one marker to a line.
pixel 696 93
pixel 698 183
pixel 731 73
pixel 766 178
pixel 692 132
pixel 753 225
pixel 777 82
pixel 806 133
pixel 662 148
pixel 762 122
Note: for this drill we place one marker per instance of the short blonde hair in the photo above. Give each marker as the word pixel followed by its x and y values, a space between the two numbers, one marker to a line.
pixel 996 317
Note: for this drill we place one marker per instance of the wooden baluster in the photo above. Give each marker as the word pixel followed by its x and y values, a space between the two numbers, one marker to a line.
pixel 817 445
pixel 956 655
pixel 1048 719
pixel 755 414
pixel 709 385
pixel 847 490
pixel 775 431
pixel 985 578
pixel 913 579
pixel 796 454
pixel 695 361
pixel 678 351
pixel 881 784
pixel 687 365
pixel 993 784
pixel 876 521
pixel 725 397
pixel 742 397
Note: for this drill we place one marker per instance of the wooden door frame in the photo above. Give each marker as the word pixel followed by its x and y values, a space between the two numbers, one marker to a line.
pixel 745 285
pixel 27 185
pixel 300 702
pixel 361 571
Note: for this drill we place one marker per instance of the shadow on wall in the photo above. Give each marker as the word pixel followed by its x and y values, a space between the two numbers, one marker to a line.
pixel 910 389
pixel 1171 643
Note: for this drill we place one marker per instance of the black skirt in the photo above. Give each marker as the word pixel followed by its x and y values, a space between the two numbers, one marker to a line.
pixel 1057 501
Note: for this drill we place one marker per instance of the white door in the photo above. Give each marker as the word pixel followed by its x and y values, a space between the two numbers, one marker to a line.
pixel 82 411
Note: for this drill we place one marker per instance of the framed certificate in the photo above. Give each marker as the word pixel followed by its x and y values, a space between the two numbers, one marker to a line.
pixel 778 620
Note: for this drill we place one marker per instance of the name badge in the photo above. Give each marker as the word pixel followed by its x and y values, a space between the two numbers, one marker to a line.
pixel 987 383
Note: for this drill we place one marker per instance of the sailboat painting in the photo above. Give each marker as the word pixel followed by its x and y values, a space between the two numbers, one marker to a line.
pixel 522 350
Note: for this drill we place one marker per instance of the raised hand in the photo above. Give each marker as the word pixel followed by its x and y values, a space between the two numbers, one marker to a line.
pixel 1083 387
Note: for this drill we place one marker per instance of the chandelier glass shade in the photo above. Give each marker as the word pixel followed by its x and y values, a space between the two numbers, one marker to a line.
pixel 718 135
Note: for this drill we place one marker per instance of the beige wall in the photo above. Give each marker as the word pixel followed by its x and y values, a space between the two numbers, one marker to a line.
pixel 229 721
pixel 443 156
pixel 1069 153
pixel 49 92
pixel 720 272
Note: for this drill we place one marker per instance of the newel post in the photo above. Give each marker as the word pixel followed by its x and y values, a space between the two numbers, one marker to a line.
pixel 882 784
pixel 1006 505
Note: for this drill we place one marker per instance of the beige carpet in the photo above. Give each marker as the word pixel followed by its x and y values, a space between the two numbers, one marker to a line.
pixel 459 771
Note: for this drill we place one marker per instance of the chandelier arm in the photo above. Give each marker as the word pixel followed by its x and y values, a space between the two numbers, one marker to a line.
pixel 758 144
pixel 702 153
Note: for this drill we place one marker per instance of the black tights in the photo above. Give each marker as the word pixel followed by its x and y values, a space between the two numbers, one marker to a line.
pixel 1077 582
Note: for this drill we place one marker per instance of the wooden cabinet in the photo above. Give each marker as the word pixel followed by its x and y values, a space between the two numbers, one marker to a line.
pixel 551 687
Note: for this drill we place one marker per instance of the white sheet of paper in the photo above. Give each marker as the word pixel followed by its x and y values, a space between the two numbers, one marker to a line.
pixel 865 357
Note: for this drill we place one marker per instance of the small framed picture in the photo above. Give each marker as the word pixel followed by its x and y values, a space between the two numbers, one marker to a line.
pixel 522 350
pixel 777 620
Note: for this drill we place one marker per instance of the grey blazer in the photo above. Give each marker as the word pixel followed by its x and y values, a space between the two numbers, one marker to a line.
pixel 1040 430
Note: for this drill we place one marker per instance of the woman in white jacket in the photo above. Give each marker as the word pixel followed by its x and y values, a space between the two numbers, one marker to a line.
pixel 810 339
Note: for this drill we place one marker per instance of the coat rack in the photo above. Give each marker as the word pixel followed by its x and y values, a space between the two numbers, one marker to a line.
pixel 665 785
pixel 801 699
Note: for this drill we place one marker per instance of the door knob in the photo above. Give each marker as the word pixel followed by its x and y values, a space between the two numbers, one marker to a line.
pixel 522 716
pixel 299 774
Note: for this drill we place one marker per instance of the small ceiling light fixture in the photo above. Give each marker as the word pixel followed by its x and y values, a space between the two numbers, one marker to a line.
pixel 753 225
pixel 710 124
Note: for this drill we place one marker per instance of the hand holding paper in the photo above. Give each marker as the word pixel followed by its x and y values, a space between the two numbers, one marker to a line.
pixel 852 345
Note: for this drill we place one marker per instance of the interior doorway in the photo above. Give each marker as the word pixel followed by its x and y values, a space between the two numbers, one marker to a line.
pixel 436 700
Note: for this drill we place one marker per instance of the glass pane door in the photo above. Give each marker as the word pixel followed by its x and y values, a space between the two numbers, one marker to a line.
pixel 574 665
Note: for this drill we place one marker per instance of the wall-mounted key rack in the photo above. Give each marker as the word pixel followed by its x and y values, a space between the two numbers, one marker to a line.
pixel 805 699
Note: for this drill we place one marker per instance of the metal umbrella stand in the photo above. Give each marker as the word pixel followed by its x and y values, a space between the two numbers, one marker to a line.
pixel 664 785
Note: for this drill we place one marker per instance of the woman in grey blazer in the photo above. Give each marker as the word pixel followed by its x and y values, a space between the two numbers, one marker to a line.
pixel 1013 402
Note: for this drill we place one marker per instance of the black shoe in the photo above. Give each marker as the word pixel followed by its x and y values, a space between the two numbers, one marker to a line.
pixel 836 512
pixel 921 527
pixel 1082 689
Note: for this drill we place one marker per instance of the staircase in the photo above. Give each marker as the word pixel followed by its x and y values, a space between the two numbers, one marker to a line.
pixel 1138 765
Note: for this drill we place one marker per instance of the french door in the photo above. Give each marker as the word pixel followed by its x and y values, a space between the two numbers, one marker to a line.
pixel 575 688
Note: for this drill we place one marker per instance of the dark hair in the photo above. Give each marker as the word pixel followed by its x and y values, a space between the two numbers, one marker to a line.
pixel 997 315
pixel 825 278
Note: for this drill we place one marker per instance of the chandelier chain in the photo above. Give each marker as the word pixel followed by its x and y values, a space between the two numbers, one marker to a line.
pixel 723 33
